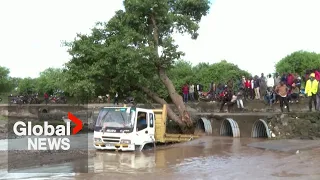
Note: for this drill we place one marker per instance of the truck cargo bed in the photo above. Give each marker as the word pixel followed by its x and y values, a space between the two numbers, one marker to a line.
pixel 160 131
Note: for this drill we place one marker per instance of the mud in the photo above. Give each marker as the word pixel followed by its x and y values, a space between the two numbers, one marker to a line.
pixel 212 158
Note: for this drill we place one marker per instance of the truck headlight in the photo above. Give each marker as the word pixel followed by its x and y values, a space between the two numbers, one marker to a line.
pixel 125 141
pixel 97 140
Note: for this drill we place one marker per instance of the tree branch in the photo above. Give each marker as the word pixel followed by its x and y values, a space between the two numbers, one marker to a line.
pixel 158 99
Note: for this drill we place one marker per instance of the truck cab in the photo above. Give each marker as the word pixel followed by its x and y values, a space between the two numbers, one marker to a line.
pixel 124 128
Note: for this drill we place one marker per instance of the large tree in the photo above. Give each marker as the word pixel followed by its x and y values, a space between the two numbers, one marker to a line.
pixel 155 22
pixel 124 52
pixel 299 62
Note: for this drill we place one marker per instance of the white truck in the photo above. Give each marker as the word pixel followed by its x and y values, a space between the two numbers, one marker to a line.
pixel 131 128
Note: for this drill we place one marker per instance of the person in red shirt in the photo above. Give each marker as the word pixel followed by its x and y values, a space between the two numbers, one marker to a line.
pixel 46 98
pixel 290 80
pixel 185 92
pixel 317 74
pixel 248 88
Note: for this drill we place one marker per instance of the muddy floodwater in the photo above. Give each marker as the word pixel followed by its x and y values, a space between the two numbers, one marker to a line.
pixel 212 158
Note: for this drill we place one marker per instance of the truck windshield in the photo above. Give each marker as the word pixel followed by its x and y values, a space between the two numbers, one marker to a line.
pixel 114 118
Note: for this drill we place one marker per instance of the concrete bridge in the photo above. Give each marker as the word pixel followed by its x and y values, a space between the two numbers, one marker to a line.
pixel 261 125
pixel 248 124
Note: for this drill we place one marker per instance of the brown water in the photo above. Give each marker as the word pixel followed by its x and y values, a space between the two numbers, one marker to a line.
pixel 207 158
pixel 212 158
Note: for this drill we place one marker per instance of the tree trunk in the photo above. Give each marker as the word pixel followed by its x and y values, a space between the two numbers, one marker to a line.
pixel 170 112
pixel 176 98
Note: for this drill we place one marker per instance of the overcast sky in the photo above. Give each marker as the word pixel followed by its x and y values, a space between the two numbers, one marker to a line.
pixel 253 34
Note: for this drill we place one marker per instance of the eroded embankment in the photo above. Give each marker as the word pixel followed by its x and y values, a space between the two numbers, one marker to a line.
pixel 295 125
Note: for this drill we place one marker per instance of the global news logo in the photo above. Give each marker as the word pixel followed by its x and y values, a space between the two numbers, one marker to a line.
pixel 52 137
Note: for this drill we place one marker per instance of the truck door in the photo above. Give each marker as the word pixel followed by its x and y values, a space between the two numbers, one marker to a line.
pixel 142 127
pixel 151 123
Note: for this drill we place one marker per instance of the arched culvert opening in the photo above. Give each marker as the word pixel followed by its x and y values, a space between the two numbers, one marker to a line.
pixel 44 111
pixel 229 127
pixel 260 129
pixel 203 126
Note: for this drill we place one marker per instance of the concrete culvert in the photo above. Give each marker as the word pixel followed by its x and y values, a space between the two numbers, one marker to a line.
pixel 260 129
pixel 200 127
pixel 229 127
pixel 44 111
pixel 203 126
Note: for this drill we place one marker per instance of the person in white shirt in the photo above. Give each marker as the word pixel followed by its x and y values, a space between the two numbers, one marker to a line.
pixel 191 92
pixel 270 81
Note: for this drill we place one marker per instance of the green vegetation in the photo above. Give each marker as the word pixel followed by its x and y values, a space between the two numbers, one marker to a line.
pixel 2 118
pixel 299 62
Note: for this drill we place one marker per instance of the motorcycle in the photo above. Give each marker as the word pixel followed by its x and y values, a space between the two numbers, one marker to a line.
pixel 58 100
pixel 206 96
pixel 129 100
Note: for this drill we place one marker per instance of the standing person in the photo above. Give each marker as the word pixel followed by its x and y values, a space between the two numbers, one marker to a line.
pixel 282 91
pixel 108 98
pixel 185 92
pixel 212 90
pixel 243 82
pixel 256 86
pixel 318 98
pixel 284 77
pixel 116 99
pixel 311 90
pixel 270 81
pixel 248 88
pixel 297 82
pixel 191 92
pixel 199 90
pixel 317 74
pixel 46 98
pixel 290 80
pixel 240 99
pixel 252 88
pixel 263 85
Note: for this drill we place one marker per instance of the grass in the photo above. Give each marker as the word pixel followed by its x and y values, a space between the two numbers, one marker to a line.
pixel 2 118
pixel 4 97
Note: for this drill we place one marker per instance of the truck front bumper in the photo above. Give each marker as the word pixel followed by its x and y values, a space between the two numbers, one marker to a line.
pixel 112 146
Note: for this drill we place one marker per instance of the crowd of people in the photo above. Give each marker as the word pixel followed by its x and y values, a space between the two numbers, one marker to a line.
pixel 272 89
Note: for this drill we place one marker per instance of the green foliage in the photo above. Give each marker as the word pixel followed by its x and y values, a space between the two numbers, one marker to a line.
pixel 5 80
pixel 298 62
pixel 27 86
pixel 51 80
pixel 204 73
